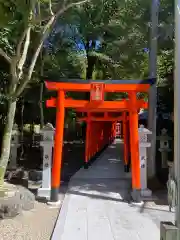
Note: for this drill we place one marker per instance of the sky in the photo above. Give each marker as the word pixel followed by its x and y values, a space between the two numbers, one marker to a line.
pixel 81 45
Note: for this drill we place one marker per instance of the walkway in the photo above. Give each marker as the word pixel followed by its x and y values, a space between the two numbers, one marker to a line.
pixel 94 209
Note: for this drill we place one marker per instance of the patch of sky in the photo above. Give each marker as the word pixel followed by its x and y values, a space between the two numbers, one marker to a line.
pixel 146 50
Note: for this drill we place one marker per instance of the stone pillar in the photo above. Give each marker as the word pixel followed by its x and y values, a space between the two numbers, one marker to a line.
pixel 47 144
pixel 143 145
pixel 164 147
pixel 35 135
pixel 14 147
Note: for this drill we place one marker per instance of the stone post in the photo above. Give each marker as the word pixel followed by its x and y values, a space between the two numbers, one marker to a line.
pixel 35 135
pixel 164 147
pixel 47 144
pixel 14 147
pixel 143 145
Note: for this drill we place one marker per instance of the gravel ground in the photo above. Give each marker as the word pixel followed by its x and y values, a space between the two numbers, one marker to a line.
pixel 36 224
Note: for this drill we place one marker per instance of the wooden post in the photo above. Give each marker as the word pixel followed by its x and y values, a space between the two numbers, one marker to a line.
pixel 87 143
pixel 121 129
pixel 98 137
pixel 128 141
pixel 58 147
pixel 125 134
pixel 134 142
pixel 131 151
pixel 115 130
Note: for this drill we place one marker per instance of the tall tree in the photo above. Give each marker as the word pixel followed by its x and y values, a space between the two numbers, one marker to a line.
pixel 113 35
pixel 25 25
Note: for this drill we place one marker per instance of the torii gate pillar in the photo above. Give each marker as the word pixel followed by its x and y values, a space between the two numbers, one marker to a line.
pixel 126 150
pixel 58 147
pixel 87 145
pixel 134 146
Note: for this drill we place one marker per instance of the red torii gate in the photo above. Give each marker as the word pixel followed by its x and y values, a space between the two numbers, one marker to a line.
pixel 97 104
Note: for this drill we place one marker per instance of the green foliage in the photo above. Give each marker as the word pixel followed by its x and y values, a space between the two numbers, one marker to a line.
pixel 121 28
pixel 165 67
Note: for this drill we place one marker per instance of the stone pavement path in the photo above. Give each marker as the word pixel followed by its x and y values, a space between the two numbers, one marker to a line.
pixel 94 206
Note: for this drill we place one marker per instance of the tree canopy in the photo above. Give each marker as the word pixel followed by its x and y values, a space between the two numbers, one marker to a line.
pixel 88 39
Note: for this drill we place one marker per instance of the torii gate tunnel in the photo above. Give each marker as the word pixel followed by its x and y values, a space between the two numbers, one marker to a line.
pixel 101 117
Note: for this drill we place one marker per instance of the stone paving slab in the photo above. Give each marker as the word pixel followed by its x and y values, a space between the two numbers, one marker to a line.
pixel 94 206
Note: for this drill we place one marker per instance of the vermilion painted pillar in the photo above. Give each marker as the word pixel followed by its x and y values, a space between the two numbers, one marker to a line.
pixel 58 147
pixel 97 138
pixel 114 130
pixel 93 137
pixel 125 134
pixel 87 143
pixel 114 134
pixel 128 140
pixel 134 142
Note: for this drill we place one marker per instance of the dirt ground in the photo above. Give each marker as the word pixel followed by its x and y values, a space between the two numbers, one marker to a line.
pixel 38 224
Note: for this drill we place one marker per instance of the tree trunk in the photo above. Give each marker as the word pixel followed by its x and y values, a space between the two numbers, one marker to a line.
pixel 41 90
pixel 91 62
pixel 6 140
pixel 22 129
